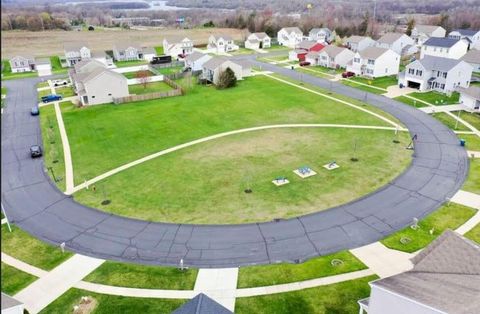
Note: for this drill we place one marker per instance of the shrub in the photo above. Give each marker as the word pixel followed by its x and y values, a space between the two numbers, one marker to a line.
pixel 226 79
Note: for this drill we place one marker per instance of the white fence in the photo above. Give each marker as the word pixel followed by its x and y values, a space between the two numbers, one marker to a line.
pixel 132 69
pixel 155 78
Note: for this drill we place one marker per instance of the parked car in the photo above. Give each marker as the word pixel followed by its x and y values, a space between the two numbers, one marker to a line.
pixel 51 97
pixel 35 151
pixel 347 74
pixel 35 111
pixel 182 56
pixel 304 63
pixel 60 82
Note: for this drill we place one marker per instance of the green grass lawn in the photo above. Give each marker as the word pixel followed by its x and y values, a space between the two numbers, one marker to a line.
pixel 472 118
pixel 42 84
pixel 159 50
pixel 14 280
pixel 151 87
pixel 4 90
pixel 108 304
pixel 436 98
pixel 143 276
pixel 338 298
pixel 170 70
pixel 446 217
pixel 28 249
pixel 215 175
pixel 44 92
pixel 123 64
pixel 57 65
pixel 65 91
pixel 474 234
pixel 282 57
pixel 8 75
pixel 267 275
pixel 52 145
pixel 410 102
pixel 472 141
pixel 351 83
pixel 477 83
pixel 381 82
pixel 449 121
pixel 472 184
pixel 315 72
pixel 131 75
pixel 277 48
pixel 243 51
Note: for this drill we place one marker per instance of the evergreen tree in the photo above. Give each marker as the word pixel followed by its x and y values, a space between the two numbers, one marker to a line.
pixel 226 79
pixel 410 26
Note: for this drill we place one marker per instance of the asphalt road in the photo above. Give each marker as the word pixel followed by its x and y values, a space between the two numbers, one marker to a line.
pixel 31 200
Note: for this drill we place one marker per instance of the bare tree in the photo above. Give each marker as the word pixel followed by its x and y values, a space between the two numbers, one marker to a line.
pixel 143 77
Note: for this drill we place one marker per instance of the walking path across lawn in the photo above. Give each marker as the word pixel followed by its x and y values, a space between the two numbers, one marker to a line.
pixel 467 198
pixel 446 108
pixel 49 287
pixel 27 268
pixel 4 221
pixel 213 137
pixel 219 284
pixel 473 153
pixel 67 157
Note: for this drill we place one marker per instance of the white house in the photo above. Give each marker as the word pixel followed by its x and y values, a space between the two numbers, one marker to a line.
pixel 212 68
pixel 375 62
pixel 195 60
pixel 400 43
pixel 435 73
pixel 421 33
pixel 127 52
pixel 22 64
pixel 321 35
pixel 359 43
pixel 11 305
pixel 444 47
pixel 289 36
pixel 470 97
pixel 75 52
pixel 471 36
pixel 257 41
pixel 148 53
pixel 176 46
pixel 445 278
pixel 334 57
pixel 102 57
pixel 43 66
pixel 473 58
pixel 221 44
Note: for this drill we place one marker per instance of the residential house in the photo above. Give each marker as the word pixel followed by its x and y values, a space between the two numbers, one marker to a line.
pixel 400 43
pixel 435 73
pixel 22 64
pixel 11 305
pixel 473 58
pixel 445 278
pixel 195 60
pixel 421 33
pixel 127 52
pixel 470 97
pixel 471 36
pixel 212 68
pixel 202 304
pixel 359 43
pixel 102 57
pixel 176 46
pixel 321 35
pixel 289 36
pixel 75 52
pixel 444 47
pixel 258 41
pixel 43 66
pixel 221 44
pixel 375 62
pixel 303 48
pixel 148 53
pixel 95 84
pixel 334 57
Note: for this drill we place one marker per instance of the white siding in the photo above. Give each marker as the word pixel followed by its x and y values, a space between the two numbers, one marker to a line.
pixel 455 52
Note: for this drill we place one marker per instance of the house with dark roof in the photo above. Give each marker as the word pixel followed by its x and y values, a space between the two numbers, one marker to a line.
pixel 202 304
pixel 258 41
pixel 398 42
pixel 444 47
pixel 375 62
pixel 303 48
pixel 359 43
pixel 221 44
pixel 331 57
pixel 445 278
pixel 289 36
pixel 472 57
pixel 321 35
pixel 470 97
pixel 435 73
pixel 421 33
pixel 76 52
pixel 471 36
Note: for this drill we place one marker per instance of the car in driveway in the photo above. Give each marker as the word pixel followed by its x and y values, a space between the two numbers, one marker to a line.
pixel 347 74
pixel 35 151
pixel 60 82
pixel 34 111
pixel 304 63
pixel 51 97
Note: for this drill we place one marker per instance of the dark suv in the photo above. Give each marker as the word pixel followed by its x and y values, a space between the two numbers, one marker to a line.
pixel 35 151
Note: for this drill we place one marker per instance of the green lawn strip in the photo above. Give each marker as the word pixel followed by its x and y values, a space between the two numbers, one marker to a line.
pixel 94 134
pixel 282 57
pixel 65 91
pixel 381 82
pixel 44 92
pixel 123 64
pixel 446 217
pixel 131 75
pixel 436 98
pixel 472 141
pixel 474 234
pixel 4 90
pixel 277 48
pixel 14 280
pixel 159 50
pixel 42 84
pixel 52 145
pixel 477 83
pixel 108 304
pixel 57 65
pixel 242 51
pixel 28 249
pixel 267 275
pixel 170 70
pixel 348 82
pixel 471 117
pixel 335 298
pixel 314 73
pixel 449 121
pixel 214 175
pixel 151 87
pixel 472 184
pixel 410 102
pixel 143 276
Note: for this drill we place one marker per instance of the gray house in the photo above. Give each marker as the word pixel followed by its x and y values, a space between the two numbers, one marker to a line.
pixel 472 57
pixel 445 279
pixel 22 63
pixel 127 52
pixel 321 35
pixel 435 73
pixel 76 52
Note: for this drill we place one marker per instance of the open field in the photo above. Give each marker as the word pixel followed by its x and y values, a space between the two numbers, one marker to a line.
pixel 150 88
pixel 446 217
pixel 14 280
pixel 205 183
pixel 49 43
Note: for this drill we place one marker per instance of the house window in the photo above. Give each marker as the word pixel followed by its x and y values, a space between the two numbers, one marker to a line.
pixel 442 86
pixel 411 71
pixel 109 94
pixel 93 96
pixel 444 74
pixel 370 61
pixel 356 60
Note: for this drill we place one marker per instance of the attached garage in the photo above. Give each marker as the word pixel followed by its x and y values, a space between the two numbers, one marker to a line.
pixel 413 84
pixel 43 66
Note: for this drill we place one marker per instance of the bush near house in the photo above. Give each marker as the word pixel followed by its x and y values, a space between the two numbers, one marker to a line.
pixel 227 79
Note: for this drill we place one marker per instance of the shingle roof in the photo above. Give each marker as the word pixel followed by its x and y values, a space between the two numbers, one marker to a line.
pixel 372 52
pixel 96 72
pixel 355 39
pixel 472 91
pixel 293 30
pixel 42 61
pixel 202 304
pixel 225 37
pixel 438 63
pixel 79 65
pixel 333 51
pixel 306 44
pixel 214 63
pixel 26 56
pixel 445 276
pixel 427 29
pixel 465 32
pixel 318 29
pixel 441 42
pixel 389 38
pixel 195 56
pixel 149 50
pixel 9 302
pixel 472 56
pixel 260 36
pixel 123 46
pixel 74 46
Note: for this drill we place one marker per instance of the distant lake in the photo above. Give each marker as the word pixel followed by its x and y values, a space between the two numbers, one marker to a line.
pixel 146 5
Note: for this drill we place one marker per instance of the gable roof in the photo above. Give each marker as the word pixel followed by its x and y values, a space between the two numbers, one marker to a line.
pixel 25 56
pixel 307 44
pixel 40 61
pixel 472 56
pixel 445 276
pixel 318 29
pixel 438 63
pixel 195 56
pixel 390 38
pixel 149 50
pixel 126 45
pixel 290 30
pixel 441 42
pixel 214 63
pixel 97 72
pixel 83 63
pixel 260 36
pixel 9 302
pixel 472 91
pixel 372 52
pixel 202 304
pixel 333 51
pixel 222 36
pixel 427 29
pixel 465 32
pixel 76 46
pixel 356 39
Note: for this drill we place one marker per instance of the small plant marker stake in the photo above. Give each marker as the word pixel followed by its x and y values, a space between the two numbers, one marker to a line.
pixel 62 247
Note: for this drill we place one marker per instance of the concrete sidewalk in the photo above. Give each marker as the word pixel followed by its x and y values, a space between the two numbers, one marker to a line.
pixel 220 284
pixel 445 108
pixel 467 198
pixel 49 287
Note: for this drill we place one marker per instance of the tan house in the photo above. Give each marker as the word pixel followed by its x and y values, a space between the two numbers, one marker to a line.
pixel 212 68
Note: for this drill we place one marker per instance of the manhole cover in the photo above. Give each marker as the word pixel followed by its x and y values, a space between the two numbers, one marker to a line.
pixel 336 262
pixel 405 240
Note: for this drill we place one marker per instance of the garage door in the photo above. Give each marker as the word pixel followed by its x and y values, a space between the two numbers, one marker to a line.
pixel 44 70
